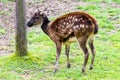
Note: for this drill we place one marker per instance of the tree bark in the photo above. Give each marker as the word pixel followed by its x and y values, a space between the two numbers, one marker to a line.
pixel 21 40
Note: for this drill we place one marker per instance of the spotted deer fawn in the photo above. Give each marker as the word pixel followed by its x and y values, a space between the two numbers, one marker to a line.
pixel 71 27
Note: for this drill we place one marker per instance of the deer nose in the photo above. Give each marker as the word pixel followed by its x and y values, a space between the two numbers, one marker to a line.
pixel 29 24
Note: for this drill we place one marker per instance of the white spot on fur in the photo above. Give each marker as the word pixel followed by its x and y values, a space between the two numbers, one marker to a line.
pixel 82 25
pixel 73 18
pixel 86 26
pixel 64 23
pixel 76 19
pixel 69 21
pixel 62 26
pixel 83 21
pixel 69 17
pixel 74 27
pixel 63 30
pixel 70 30
pixel 77 26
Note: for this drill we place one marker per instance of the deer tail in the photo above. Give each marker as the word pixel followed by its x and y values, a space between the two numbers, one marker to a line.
pixel 95 28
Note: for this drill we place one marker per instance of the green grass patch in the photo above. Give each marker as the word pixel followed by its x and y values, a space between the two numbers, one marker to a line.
pixel 89 7
pixel 2 31
pixel 105 1
pixel 6 0
pixel 2 12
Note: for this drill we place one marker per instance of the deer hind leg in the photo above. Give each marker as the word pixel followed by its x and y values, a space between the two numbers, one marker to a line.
pixel 82 41
pixel 67 49
pixel 58 51
pixel 91 45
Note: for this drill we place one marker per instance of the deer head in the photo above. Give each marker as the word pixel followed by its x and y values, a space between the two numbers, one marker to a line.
pixel 36 19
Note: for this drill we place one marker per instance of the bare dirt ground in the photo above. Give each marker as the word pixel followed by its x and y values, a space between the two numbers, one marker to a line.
pixel 52 8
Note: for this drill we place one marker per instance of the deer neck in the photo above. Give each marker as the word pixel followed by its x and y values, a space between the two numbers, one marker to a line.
pixel 45 25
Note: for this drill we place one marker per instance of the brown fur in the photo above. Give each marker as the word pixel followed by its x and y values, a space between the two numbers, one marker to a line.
pixel 74 14
pixel 58 29
pixel 71 27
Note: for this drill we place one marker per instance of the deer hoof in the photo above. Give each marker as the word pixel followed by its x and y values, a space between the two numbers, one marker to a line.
pixel 68 65
pixel 91 67
pixel 55 70
pixel 83 70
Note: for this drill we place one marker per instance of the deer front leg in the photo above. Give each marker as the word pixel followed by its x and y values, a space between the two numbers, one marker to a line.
pixel 58 51
pixel 67 49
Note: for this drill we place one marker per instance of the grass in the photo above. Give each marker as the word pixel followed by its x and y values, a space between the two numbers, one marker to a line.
pixel 40 62
pixel 2 31
pixel 6 0
pixel 105 1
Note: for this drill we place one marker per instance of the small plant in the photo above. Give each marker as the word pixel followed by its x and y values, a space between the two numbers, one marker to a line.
pixel 2 31
pixel 89 7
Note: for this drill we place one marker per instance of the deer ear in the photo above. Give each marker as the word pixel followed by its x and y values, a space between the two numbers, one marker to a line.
pixel 41 13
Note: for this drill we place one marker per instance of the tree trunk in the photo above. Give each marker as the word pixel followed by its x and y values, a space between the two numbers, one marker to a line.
pixel 21 41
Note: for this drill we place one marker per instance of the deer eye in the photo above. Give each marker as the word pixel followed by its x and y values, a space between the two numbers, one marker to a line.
pixel 36 18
